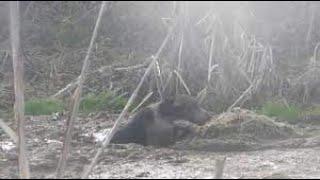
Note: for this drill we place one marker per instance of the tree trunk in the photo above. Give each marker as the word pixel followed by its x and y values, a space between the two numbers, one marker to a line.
pixel 18 87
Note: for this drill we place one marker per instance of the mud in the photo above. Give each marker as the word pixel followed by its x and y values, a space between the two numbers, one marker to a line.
pixel 294 154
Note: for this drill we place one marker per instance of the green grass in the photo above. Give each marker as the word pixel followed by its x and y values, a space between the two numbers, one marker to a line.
pixel 43 106
pixel 106 100
pixel 103 101
pixel 275 109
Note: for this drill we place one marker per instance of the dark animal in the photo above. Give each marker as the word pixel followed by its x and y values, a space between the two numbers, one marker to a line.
pixel 154 125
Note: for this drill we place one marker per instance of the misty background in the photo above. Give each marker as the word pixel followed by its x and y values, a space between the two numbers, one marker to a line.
pixel 259 51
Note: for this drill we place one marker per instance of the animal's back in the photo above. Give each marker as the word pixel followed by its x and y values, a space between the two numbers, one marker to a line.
pixel 160 132
pixel 154 125
pixel 134 131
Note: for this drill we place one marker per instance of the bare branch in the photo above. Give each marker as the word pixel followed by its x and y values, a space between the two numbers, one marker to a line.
pixel 158 78
pixel 68 87
pixel 311 22
pixel 210 56
pixel 77 95
pixel 142 102
pixel 9 131
pixel 182 81
pixel 107 139
pixel 247 91
pixel 180 52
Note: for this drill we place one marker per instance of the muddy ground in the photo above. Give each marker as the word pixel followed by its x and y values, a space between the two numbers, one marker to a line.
pixel 45 135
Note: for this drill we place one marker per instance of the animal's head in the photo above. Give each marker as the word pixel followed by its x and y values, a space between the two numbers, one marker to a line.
pixel 183 107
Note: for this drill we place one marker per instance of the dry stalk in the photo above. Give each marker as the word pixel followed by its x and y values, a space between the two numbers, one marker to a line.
pixel 182 81
pixel 180 53
pixel 247 91
pixel 204 18
pixel 107 139
pixel 180 58
pixel 311 22
pixel 201 95
pixel 315 58
pixel 68 87
pixel 142 102
pixel 77 94
pixel 210 56
pixel 158 78
pixel 9 131
pixel 252 60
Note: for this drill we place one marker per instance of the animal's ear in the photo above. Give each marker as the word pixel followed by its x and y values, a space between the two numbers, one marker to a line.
pixel 169 98
pixel 166 105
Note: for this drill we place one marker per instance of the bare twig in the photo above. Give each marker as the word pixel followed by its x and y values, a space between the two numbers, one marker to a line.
pixel 142 102
pixel 107 139
pixel 201 95
pixel 251 62
pixel 18 87
pixel 180 52
pixel 86 14
pixel 28 8
pixel 311 21
pixel 204 18
pixel 315 52
pixel 130 67
pixel 213 68
pixel 182 81
pixel 247 91
pixel 180 58
pixel 158 78
pixel 210 56
pixel 68 87
pixel 77 95
pixel 75 82
pixel 9 131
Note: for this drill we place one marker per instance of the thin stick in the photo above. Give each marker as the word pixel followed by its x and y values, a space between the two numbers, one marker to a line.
pixel 201 95
pixel 180 59
pixel 311 21
pixel 180 53
pixel 142 102
pixel 315 52
pixel 182 81
pixel 67 87
pixel 18 87
pixel 107 139
pixel 77 95
pixel 28 8
pixel 210 56
pixel 158 78
pixel 204 18
pixel 9 131
pixel 248 90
